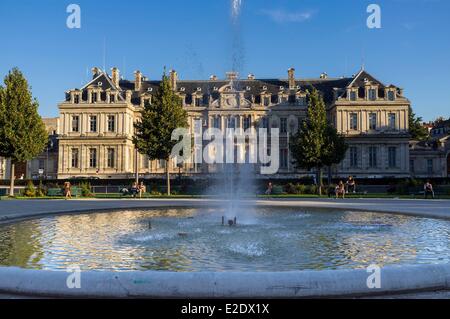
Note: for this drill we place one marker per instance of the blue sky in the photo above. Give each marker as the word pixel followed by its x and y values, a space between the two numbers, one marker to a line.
pixel 198 39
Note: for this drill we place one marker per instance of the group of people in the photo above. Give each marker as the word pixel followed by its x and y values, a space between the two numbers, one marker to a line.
pixel 136 189
pixel 345 188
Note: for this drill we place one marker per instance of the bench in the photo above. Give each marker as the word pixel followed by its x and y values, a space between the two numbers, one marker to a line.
pixel 59 192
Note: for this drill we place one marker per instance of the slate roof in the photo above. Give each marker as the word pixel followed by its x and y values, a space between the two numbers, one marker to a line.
pixel 252 88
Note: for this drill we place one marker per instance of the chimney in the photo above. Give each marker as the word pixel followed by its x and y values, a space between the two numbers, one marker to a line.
pixel 173 79
pixel 137 80
pixel 115 76
pixel 291 77
pixel 95 72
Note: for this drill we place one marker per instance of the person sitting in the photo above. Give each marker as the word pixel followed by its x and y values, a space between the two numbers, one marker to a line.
pixel 428 188
pixel 142 189
pixel 351 185
pixel 340 190
pixel 134 189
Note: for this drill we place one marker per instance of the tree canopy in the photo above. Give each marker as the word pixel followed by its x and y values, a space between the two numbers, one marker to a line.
pixel 416 129
pixel 159 118
pixel 317 144
pixel 22 133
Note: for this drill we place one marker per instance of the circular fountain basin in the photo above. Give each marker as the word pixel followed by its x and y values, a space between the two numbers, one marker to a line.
pixel 187 252
pixel 194 240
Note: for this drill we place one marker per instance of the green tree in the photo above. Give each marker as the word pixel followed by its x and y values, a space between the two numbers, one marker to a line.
pixel 22 133
pixel 416 129
pixel 153 132
pixel 317 144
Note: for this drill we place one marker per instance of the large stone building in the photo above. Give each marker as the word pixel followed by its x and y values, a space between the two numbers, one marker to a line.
pixel 96 121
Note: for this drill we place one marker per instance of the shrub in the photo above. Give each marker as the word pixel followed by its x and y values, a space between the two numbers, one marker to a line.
pixel 301 189
pixel 290 188
pixel 85 189
pixel 311 189
pixel 41 190
pixel 29 190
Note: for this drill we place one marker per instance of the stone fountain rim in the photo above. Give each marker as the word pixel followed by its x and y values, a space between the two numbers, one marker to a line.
pixel 154 284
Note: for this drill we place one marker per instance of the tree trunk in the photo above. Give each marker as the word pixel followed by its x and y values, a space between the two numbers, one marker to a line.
pixel 11 184
pixel 168 176
pixel 329 176
pixel 319 180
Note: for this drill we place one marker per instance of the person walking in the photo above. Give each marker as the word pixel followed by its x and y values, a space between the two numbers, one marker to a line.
pixel 67 190
pixel 428 189
pixel 269 189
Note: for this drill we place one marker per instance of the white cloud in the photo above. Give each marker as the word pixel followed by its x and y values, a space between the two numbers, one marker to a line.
pixel 282 16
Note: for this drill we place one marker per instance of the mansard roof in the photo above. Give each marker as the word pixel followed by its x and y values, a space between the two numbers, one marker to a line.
pixel 251 87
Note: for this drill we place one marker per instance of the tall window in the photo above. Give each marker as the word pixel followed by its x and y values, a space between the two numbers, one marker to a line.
pixel 264 122
pixel 392 156
pixel 412 166
pixel 74 158
pixel 372 121
pixel 41 164
pixel 75 123
pixel 266 101
pixel 231 122
pixel 216 122
pixel 353 156
pixel 372 94
pixel 112 98
pixel 430 166
pixel 353 96
pixel 284 157
pixel 93 158
pixel 391 121
pixel 94 97
pixel 111 158
pixel 372 157
pixel 247 122
pixel 283 125
pixel 353 121
pixel 198 101
pixel 93 123
pixel 76 99
pixel 111 123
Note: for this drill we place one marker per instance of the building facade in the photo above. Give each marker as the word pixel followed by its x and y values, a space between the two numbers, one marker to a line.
pixel 95 125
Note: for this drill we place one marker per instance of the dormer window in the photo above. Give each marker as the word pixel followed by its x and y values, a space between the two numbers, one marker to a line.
pixel 248 88
pixel 182 89
pixel 199 89
pixel 301 100
pixel 372 94
pixel 100 83
pixel 266 101
pixel 150 90
pixel 94 97
pixel 198 101
pixel 112 98
pixel 264 88
pixel 281 88
pixel 391 95
pixel 353 96
pixel 76 99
